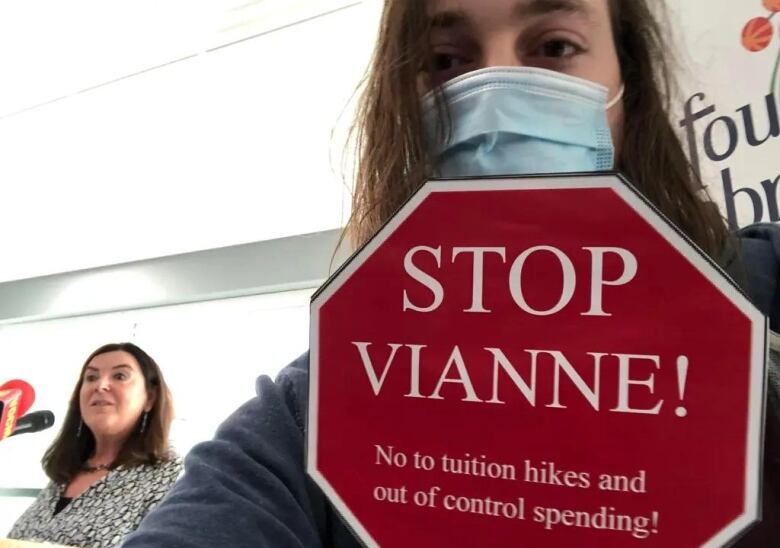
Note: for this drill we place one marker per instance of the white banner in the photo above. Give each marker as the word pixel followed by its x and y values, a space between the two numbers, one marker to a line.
pixel 728 112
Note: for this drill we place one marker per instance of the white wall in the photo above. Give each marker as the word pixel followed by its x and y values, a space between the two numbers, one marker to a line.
pixel 228 147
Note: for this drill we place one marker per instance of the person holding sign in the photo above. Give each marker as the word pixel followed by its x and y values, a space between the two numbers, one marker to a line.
pixel 476 88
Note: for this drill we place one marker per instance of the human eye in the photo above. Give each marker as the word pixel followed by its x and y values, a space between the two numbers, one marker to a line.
pixel 555 51
pixel 446 63
pixel 121 376
pixel 90 377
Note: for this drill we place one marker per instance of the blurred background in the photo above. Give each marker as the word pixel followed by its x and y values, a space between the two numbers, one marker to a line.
pixel 138 133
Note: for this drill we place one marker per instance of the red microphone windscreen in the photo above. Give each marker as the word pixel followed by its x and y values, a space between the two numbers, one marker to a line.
pixel 28 394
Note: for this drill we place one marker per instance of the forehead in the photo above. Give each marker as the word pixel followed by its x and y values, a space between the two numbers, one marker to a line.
pixel 111 360
pixel 455 11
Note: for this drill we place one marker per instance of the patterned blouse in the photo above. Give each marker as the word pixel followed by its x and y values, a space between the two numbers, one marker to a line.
pixel 102 515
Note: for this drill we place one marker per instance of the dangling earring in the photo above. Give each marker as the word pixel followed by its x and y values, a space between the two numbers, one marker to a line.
pixel 143 421
pixel 78 430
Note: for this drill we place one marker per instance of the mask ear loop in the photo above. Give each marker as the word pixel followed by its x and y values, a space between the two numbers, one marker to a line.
pixel 617 97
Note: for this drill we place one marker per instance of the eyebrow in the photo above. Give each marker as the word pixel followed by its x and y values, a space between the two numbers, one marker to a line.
pixel 531 8
pixel 523 9
pixel 449 19
pixel 120 366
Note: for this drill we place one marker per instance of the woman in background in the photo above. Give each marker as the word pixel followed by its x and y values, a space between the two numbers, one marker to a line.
pixel 110 463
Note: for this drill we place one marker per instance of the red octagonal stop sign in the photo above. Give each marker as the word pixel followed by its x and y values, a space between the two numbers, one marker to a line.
pixel 537 361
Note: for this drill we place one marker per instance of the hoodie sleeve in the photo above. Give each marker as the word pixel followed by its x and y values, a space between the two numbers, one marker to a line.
pixel 247 486
pixel 759 248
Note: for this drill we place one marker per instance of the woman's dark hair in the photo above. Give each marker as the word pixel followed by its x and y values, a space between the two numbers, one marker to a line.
pixel 392 162
pixel 66 456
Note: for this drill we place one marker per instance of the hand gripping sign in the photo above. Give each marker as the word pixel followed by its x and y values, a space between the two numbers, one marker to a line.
pixel 542 361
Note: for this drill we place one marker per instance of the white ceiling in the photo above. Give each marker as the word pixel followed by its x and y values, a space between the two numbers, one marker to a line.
pixel 51 49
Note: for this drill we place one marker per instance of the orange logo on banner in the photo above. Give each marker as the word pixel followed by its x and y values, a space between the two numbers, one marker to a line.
pixel 758 33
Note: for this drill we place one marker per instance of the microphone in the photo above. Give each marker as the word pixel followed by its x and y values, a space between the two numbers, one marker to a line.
pixel 34 422
pixel 16 397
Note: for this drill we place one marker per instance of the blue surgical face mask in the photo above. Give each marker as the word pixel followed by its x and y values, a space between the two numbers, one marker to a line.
pixel 519 121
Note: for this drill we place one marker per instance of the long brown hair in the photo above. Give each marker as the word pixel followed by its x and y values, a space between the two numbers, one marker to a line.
pixel 391 161
pixel 74 445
